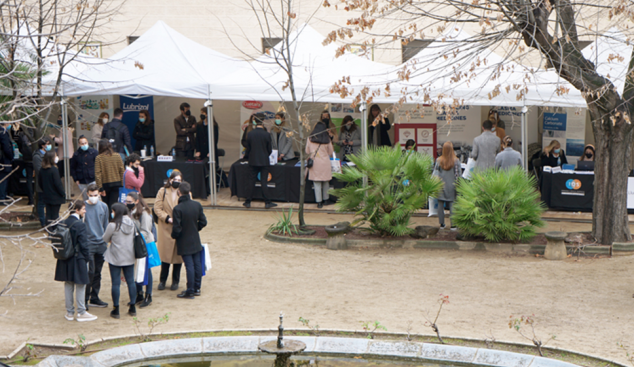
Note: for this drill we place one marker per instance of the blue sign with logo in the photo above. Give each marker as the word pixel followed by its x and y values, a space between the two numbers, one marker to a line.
pixel 555 121
pixel 131 108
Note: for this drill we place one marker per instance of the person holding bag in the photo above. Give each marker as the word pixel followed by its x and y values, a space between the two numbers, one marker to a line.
pixel 448 169
pixel 142 217
pixel 120 255
pixel 166 200
pixel 319 148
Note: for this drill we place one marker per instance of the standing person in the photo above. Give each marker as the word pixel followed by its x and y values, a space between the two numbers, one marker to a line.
pixel 134 172
pixel 280 140
pixel 62 151
pixel 382 138
pixel 82 166
pixel 349 139
pixel 5 160
pixel 588 153
pixel 497 127
pixel 117 134
pixel 509 157
pixel 448 169
pixel 202 136
pixel 53 194
pixel 185 126
pixel 97 128
pixel 485 147
pixel 44 145
pixel 189 219
pixel 166 200
pixel 108 173
pixel 319 149
pixel 96 218
pixel 144 132
pixel 142 217
pixel 24 146
pixel 120 256
pixel 330 126
pixel 553 155
pixel 259 149
pixel 74 270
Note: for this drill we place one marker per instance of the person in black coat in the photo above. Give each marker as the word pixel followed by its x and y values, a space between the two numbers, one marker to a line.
pixel 120 134
pixel 5 160
pixel 74 271
pixel 144 133
pixel 53 194
pixel 24 146
pixel 259 148
pixel 382 138
pixel 202 137
pixel 188 220
pixel 82 166
pixel 553 155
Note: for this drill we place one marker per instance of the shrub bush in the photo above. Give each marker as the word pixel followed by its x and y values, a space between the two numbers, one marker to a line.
pixel 398 185
pixel 499 205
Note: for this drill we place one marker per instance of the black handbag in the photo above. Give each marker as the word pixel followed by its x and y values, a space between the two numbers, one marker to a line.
pixel 310 161
pixel 140 250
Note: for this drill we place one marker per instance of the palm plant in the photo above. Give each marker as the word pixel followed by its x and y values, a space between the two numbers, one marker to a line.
pixel 499 205
pixel 398 185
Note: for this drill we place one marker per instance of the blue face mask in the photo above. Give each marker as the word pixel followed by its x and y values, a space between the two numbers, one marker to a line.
pixel 492 129
pixel 84 147
pixel 557 151
pixel 112 215
pixel 49 147
pixel 278 122
pixel 142 119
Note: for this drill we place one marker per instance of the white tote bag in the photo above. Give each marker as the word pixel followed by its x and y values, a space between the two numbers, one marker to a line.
pixel 207 257
pixel 335 164
pixel 469 169
pixel 433 207
pixel 139 272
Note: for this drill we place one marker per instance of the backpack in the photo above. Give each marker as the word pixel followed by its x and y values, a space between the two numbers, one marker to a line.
pixel 62 242
pixel 115 136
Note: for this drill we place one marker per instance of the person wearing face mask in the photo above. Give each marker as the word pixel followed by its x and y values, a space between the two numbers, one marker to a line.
pixel 134 175
pixel 120 256
pixel 142 218
pixel 97 128
pixel 185 126
pixel 144 132
pixel 44 145
pixel 166 200
pixel 280 139
pixel 24 146
pixel 410 146
pixel 553 155
pixel 5 160
pixel 96 219
pixel 53 194
pixel 108 173
pixel 259 148
pixel 349 139
pixel 82 166
pixel 588 153
pixel 202 136
pixel 74 270
pixel 117 134
pixel 330 126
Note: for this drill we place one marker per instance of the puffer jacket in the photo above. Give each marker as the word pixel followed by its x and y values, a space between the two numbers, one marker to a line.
pixel 121 249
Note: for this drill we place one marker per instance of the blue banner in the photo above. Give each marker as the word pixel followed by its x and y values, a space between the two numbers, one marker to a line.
pixel 555 121
pixel 131 108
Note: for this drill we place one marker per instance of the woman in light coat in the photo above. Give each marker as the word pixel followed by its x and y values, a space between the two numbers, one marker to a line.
pixel 319 149
pixel 166 200
pixel 509 157
pixel 142 217
pixel 349 139
pixel 280 140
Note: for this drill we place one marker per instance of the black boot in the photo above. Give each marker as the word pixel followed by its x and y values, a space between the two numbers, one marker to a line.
pixel 147 301
pixel 115 312
pixel 132 310
pixel 139 297
pixel 161 286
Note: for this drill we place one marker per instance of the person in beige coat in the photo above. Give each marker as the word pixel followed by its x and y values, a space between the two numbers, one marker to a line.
pixel 166 200
pixel 319 149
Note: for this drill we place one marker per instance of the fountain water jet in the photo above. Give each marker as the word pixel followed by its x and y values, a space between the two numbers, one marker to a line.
pixel 282 350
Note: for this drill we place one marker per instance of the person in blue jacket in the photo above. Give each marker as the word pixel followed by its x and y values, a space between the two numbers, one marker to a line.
pixel 6 157
pixel 82 166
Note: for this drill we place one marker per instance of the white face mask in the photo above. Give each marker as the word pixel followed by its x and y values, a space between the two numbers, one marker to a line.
pixel 56 160
pixel 105 120
pixel 93 199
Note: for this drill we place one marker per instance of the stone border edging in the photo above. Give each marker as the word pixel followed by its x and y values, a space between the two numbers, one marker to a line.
pixel 368 348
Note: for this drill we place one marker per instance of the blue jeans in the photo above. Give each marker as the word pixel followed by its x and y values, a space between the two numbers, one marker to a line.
pixel 194 272
pixel 115 275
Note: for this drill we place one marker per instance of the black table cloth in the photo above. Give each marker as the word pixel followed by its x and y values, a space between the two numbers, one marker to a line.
pixel 568 191
pixel 157 173
pixel 17 181
pixel 284 183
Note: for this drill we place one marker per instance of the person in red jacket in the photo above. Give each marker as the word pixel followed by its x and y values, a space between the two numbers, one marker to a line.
pixel 134 176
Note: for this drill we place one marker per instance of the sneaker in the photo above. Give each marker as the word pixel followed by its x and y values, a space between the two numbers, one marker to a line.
pixel 442 226
pixel 86 317
pixel 69 316
pixel 454 228
pixel 97 303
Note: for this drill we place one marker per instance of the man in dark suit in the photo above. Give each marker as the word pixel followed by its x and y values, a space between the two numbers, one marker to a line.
pixel 118 134
pixel 189 219
pixel 185 126
pixel 259 148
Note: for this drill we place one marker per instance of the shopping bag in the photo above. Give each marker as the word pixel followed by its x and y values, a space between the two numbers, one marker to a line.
pixel 469 169
pixel 207 256
pixel 433 207
pixel 335 164
pixel 153 257
pixel 139 272
pixel 123 192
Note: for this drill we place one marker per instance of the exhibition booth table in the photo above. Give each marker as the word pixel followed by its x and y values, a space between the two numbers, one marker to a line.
pixel 283 182
pixel 157 173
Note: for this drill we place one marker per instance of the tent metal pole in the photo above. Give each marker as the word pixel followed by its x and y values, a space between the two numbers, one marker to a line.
pixel 524 139
pixel 65 142
pixel 364 133
pixel 212 150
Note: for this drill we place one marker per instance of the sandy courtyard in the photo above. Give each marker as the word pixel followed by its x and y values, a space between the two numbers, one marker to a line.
pixel 588 304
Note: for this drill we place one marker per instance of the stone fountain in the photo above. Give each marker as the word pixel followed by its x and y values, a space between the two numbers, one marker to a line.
pixel 283 350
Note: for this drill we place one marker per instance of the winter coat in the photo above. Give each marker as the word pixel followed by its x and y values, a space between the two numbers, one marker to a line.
pixel 485 147
pixel 75 269
pixel 320 154
pixel 508 158
pixel 37 166
pixel 202 140
pixel 163 207
pixel 356 141
pixel 7 152
pixel 144 136
pixel 96 220
pixel 283 143
pixel 97 130
pixel 449 177
pixel 384 136
pixel 133 182
pixel 24 145
pixel 108 170
pixel 145 226
pixel 52 189
pixel 121 249
pixel 82 165
pixel 185 132
pixel 122 132
pixel 189 219
pixel 552 161
pixel 259 148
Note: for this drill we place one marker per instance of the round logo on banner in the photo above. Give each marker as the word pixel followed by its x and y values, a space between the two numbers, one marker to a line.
pixel 24 172
pixel 169 172
pixel 573 184
pixel 269 178
pixel 425 134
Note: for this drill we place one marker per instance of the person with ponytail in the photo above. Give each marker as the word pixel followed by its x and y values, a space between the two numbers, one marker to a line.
pixel 142 218
pixel 509 157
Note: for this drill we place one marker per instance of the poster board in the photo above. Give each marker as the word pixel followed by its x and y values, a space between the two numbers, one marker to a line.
pixel 88 110
pixel 568 127
pixel 423 134
pixel 131 108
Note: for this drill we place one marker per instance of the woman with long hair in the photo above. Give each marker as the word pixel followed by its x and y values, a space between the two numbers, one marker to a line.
pixel 280 139
pixel 53 194
pixel 349 139
pixel 330 126
pixel 97 128
pixel 319 149
pixel 142 218
pixel 108 173
pixel 381 138
pixel 589 153
pixel 509 157
pixel 166 200
pixel 120 255
pixel 144 132
pixel 553 155
pixel 448 169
